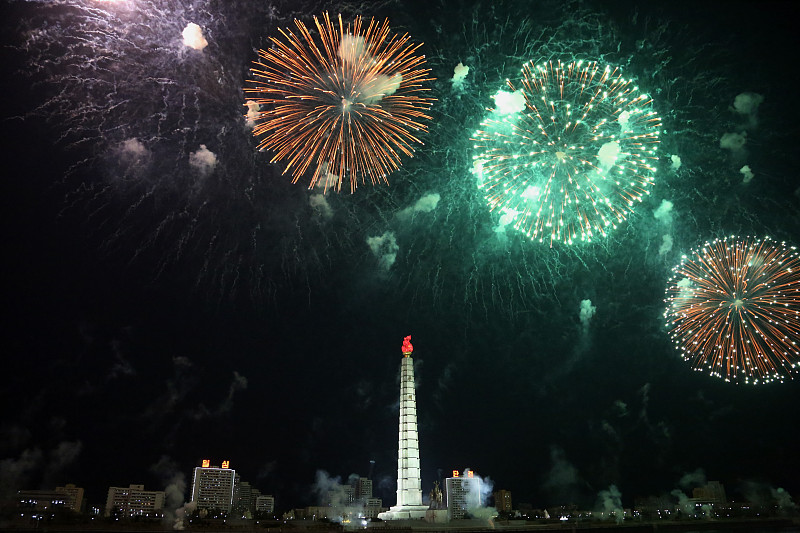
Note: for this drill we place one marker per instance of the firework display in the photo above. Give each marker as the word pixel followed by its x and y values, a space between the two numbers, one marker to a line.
pixel 573 157
pixel 733 309
pixel 531 239
pixel 347 103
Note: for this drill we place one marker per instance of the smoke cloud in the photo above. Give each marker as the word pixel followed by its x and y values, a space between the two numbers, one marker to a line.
pixel 693 479
pixel 610 504
pixel 478 494
pixel 459 74
pixel 747 173
pixel 562 478
pixel 426 204
pixel 587 311
pixel 174 489
pixel 664 212
pixel 64 454
pixel 121 366
pixel 319 203
pixel 239 383
pixel 328 489
pixel 783 499
pixel 666 245
pixel 253 110
pixel 608 155
pixel 132 150
pixel 181 513
pixel 385 248
pixel 507 217
pixel 203 160
pixel 764 495
pixel 684 504
pixel 506 103
pixel 337 496
pixel 734 142
pixel 15 472
pixel 352 50
pixel 746 104
pixel 193 37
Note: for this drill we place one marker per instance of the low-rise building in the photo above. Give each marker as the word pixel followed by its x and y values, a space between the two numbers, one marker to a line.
pixel 134 501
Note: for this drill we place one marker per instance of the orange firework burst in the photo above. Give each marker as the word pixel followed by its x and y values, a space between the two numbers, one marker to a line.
pixel 346 103
pixel 733 309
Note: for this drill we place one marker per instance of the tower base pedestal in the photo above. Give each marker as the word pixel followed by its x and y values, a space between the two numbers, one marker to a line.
pixel 404 512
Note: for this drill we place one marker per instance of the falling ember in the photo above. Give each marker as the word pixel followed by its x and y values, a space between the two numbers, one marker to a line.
pixel 345 101
pixel 733 309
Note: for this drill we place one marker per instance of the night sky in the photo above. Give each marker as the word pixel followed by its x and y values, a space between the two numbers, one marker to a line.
pixel 158 311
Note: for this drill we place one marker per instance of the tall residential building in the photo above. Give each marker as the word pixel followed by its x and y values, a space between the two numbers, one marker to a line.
pixel 134 501
pixel 212 486
pixel 265 504
pixel 409 490
pixel 363 488
pixel 340 496
pixel 502 501
pixel 243 500
pixel 463 493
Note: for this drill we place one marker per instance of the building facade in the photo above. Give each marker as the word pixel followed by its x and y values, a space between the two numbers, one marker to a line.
pixel 463 494
pixel 243 501
pixel 66 497
pixel 363 488
pixel 41 500
pixel 73 497
pixel 372 507
pixel 265 504
pixel 213 487
pixel 502 501
pixel 133 501
pixel 711 492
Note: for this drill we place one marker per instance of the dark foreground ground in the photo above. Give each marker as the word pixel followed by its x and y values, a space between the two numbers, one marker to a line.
pixel 768 525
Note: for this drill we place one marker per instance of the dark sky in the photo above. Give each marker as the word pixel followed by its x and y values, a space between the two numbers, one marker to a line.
pixel 155 314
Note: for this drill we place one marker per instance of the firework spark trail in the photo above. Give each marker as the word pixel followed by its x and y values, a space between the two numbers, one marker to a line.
pixel 459 257
pixel 133 79
pixel 347 108
pixel 572 164
pixel 118 84
pixel 733 309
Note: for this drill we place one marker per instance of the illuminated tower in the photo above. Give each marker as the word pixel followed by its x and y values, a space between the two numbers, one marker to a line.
pixel 409 490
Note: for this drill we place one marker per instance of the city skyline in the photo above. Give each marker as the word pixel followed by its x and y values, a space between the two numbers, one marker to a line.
pixel 171 296
pixel 466 495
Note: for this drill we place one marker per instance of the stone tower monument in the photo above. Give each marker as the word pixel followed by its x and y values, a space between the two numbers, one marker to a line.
pixel 409 490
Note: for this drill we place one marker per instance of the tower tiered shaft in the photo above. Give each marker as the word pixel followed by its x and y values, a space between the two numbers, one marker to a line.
pixel 409 489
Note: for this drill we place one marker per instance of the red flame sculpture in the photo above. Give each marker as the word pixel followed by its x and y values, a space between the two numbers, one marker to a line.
pixel 407 347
